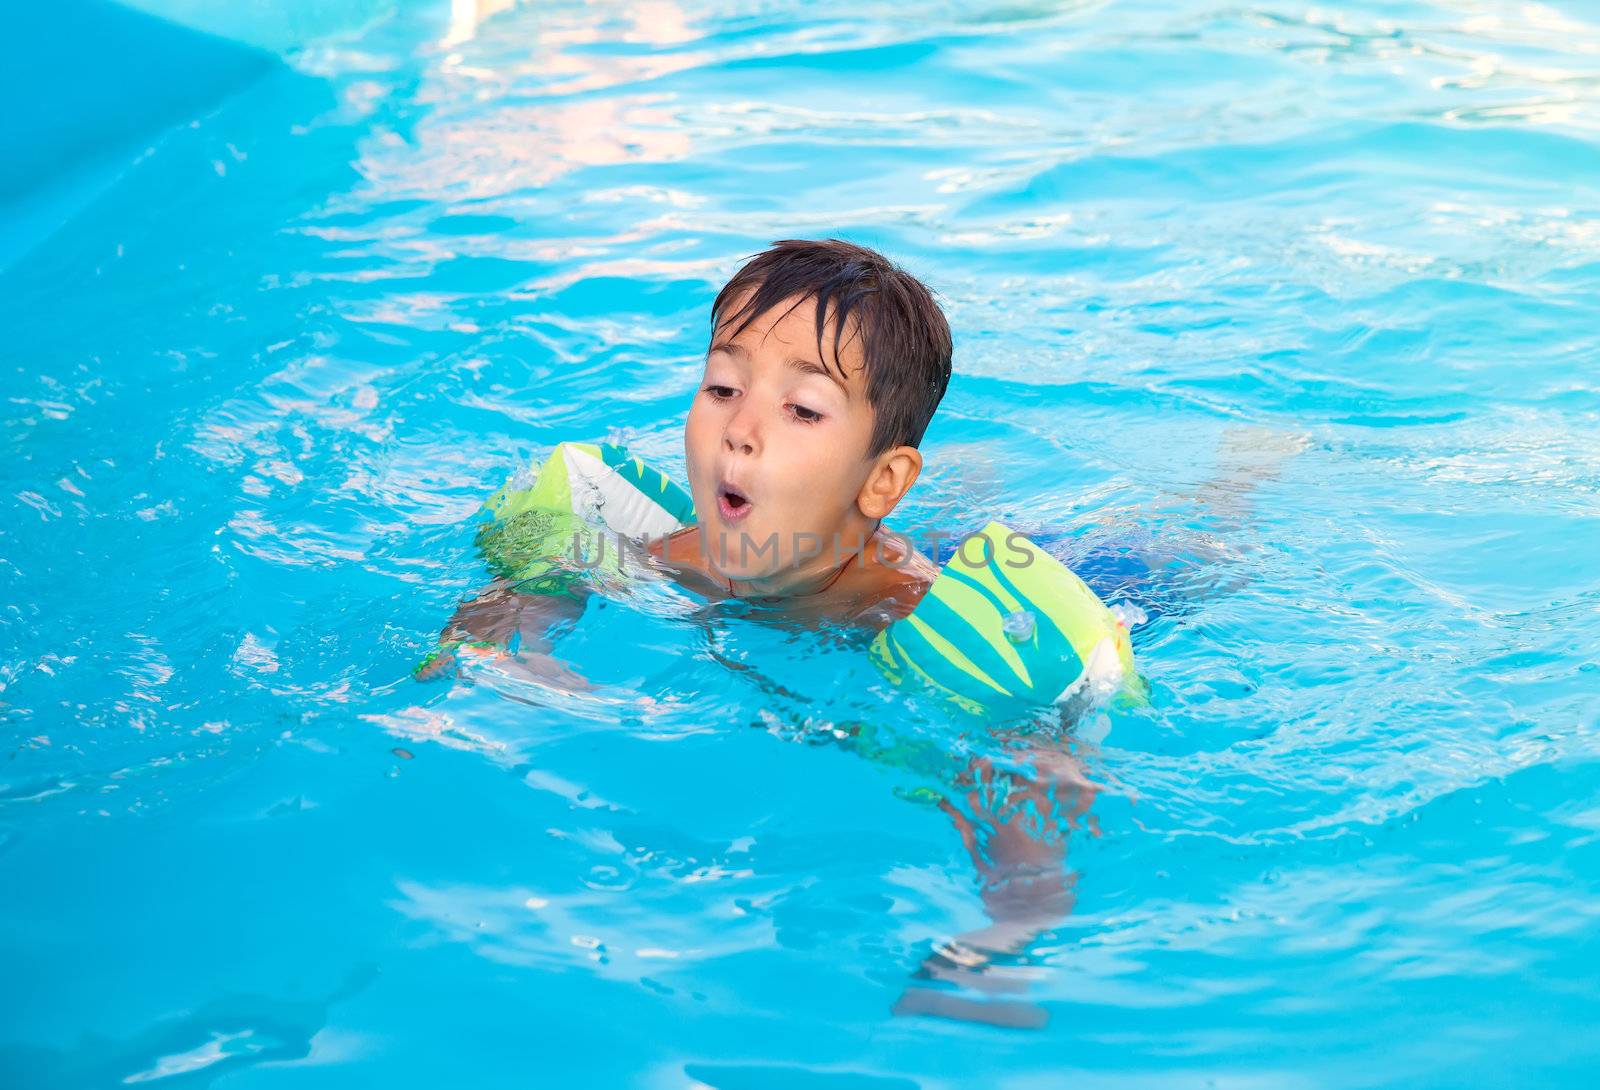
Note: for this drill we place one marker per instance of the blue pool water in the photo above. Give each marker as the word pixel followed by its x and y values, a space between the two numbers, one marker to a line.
pixel 261 368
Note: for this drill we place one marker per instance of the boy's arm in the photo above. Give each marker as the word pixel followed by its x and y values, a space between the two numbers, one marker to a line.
pixel 501 612
pixel 1014 824
pixel 514 627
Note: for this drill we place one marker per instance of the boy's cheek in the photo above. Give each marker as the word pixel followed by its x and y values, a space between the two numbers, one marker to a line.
pixel 694 442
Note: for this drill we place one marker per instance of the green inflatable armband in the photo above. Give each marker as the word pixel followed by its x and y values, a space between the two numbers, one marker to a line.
pixel 1006 625
pixel 543 536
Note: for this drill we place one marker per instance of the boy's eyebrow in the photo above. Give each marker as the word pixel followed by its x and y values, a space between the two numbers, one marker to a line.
pixel 794 363
pixel 812 367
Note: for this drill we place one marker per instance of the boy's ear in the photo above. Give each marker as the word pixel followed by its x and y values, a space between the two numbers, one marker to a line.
pixel 893 473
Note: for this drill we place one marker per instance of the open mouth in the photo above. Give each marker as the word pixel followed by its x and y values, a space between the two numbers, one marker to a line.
pixel 732 504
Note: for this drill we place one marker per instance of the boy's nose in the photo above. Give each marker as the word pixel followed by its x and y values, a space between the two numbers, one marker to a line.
pixel 740 436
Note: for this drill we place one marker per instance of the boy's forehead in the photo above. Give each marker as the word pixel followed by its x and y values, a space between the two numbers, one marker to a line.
pixel 790 327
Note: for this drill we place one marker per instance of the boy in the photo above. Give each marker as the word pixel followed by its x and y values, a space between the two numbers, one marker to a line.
pixel 825 365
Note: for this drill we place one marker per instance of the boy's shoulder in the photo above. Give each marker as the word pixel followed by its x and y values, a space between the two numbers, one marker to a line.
pixel 886 582
pixel 683 555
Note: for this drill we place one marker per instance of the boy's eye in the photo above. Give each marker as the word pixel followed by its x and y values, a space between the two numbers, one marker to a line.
pixel 804 415
pixel 720 393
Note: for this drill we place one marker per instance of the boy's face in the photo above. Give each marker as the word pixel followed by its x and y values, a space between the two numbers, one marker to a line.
pixel 776 445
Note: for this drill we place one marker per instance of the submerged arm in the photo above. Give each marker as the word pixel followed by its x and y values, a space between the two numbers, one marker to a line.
pixel 513 626
pixel 1014 824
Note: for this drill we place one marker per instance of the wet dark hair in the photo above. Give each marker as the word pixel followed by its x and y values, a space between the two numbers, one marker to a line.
pixel 904 336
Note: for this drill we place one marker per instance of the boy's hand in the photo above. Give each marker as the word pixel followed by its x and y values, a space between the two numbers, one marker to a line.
pixel 537 666
pixel 512 630
pixel 445 660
